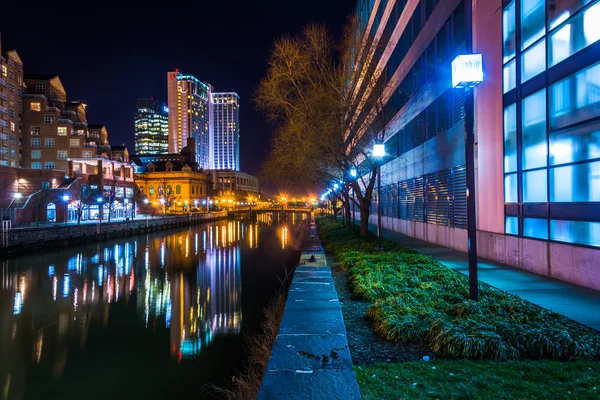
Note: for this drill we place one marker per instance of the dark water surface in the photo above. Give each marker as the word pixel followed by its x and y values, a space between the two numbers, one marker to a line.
pixel 155 316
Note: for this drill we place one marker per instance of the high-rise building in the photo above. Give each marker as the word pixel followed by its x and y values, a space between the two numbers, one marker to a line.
pixel 537 126
pixel 225 143
pixel 11 106
pixel 151 127
pixel 190 115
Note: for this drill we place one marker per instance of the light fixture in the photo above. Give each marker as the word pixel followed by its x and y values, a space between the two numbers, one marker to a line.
pixel 467 71
pixel 378 150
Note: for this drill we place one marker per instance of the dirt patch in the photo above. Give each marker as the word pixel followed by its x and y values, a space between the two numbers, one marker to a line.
pixel 365 346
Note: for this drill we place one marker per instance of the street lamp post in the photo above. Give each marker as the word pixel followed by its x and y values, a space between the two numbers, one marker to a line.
pixel 66 200
pixel 467 73
pixel 379 153
pixel 146 201
pixel 100 212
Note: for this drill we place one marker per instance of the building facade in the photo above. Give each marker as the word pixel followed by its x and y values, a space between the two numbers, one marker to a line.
pixel 11 107
pixel 190 115
pixel 536 126
pixel 151 127
pixel 229 184
pixel 225 144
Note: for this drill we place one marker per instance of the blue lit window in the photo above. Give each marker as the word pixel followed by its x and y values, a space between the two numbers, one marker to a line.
pixel 511 225
pixel 576 98
pixel 535 186
pixel 534 131
pixel 578 144
pixel 575 183
pixel 582 31
pixel 535 228
pixel 534 61
pixel 510 138
pixel 533 21
pixel 511 188
pixel 579 232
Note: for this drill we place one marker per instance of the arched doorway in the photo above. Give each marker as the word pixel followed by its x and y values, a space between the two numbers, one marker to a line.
pixel 51 212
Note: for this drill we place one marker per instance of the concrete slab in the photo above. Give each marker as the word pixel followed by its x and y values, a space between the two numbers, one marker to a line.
pixel 309 385
pixel 310 352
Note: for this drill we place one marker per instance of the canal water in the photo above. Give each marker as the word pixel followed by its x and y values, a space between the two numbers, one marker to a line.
pixel 155 316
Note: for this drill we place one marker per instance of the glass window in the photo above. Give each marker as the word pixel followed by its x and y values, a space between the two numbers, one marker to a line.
pixel 36 130
pixel 50 165
pixel 511 225
pixel 534 61
pixel 510 189
pixel 177 189
pixel 560 10
pixel 578 144
pixel 575 232
pixel 535 189
pixel 510 76
pixel 75 143
pixel 576 98
pixel 579 33
pixel 533 21
pixel 535 228
pixel 49 119
pixel 510 138
pixel 36 165
pixel 62 131
pixel 35 107
pixel 49 142
pixel 534 131
pixel 508 31
pixel 36 142
pixel 62 154
pixel 151 189
pixel 575 183
pixel 36 154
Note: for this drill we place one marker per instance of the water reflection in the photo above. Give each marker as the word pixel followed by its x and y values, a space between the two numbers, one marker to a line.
pixel 188 283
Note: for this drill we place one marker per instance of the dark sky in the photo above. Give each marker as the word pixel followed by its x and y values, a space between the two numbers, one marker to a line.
pixel 109 53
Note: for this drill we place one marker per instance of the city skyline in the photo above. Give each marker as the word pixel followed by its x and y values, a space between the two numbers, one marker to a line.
pixel 133 67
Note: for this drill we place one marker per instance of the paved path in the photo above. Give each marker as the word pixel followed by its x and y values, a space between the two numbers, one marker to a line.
pixel 310 358
pixel 575 302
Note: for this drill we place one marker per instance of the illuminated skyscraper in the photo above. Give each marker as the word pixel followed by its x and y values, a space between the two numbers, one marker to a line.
pixel 190 115
pixel 151 127
pixel 225 146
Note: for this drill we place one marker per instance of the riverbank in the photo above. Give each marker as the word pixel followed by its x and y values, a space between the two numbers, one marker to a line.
pixel 23 240
pixel 370 283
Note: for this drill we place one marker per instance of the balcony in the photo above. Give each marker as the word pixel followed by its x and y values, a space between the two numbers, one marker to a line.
pixel 34 96
pixel 3 110
pixel 90 145
pixel 65 121
pixel 51 108
pixel 80 125
pixel 3 123
pixel 3 82
pixel 3 96
pixel 4 136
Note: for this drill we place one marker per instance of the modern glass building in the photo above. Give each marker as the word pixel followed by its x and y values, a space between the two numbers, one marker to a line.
pixel 537 126
pixel 226 131
pixel 151 127
pixel 190 115
pixel 551 99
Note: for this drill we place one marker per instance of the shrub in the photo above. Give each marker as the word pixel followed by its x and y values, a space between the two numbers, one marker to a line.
pixel 417 299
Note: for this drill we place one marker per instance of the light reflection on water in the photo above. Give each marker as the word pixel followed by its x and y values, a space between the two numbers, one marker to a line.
pixel 188 283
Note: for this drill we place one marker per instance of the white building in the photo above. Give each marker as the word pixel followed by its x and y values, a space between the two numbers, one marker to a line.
pixel 225 143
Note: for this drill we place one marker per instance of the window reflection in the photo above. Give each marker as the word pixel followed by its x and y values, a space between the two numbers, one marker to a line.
pixel 575 232
pixel 534 130
pixel 534 186
pixel 575 183
pixel 535 228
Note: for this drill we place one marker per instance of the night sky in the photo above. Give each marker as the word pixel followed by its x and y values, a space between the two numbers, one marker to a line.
pixel 109 55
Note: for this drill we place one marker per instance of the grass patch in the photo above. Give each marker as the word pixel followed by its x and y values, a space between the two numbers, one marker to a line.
pixel 420 300
pixel 470 380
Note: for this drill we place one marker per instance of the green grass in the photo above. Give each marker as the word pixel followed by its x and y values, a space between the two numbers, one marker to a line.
pixel 419 300
pixel 472 380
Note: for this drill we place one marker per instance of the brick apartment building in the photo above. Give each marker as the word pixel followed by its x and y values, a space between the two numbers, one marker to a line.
pixel 11 91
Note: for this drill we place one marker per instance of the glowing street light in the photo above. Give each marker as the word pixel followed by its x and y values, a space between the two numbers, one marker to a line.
pixel 467 73
pixel 66 200
pixel 18 195
pixel 379 153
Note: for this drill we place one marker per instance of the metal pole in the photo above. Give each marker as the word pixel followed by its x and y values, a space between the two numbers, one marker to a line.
pixel 379 248
pixel 353 210
pixel 471 205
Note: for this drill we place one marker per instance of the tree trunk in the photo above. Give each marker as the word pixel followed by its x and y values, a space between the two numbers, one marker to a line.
pixel 365 206
pixel 37 217
pixel 347 211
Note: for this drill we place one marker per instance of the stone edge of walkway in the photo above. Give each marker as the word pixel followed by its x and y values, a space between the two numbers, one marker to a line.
pixel 310 358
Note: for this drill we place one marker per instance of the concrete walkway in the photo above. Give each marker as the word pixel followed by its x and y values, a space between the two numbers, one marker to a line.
pixel 310 358
pixel 572 301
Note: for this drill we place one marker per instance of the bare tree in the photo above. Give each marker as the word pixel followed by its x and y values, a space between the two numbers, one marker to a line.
pixel 40 200
pixel 323 130
pixel 166 195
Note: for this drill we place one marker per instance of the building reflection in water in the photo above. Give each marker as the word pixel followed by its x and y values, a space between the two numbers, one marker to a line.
pixel 189 283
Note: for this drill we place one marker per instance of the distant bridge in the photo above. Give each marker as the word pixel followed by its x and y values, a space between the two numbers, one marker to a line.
pixel 256 211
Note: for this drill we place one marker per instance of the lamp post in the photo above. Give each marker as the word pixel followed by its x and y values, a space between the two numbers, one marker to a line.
pixel 100 212
pixel 146 201
pixel 379 153
pixel 467 73
pixel 353 175
pixel 66 200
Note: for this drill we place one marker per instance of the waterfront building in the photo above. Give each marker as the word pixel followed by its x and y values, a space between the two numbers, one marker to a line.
pixel 98 134
pixel 536 126
pixel 151 127
pixel 11 106
pixel 234 185
pixel 225 143
pixel 173 182
pixel 190 115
